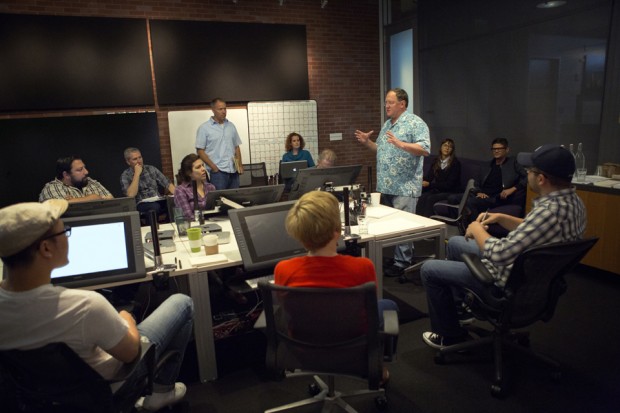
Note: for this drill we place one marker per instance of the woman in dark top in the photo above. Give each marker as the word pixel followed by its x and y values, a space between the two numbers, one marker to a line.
pixel 442 179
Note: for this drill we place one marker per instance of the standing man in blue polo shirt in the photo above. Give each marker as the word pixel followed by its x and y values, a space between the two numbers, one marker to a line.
pixel 217 144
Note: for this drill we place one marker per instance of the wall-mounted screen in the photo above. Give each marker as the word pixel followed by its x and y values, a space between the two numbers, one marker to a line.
pixel 239 62
pixel 30 148
pixel 68 62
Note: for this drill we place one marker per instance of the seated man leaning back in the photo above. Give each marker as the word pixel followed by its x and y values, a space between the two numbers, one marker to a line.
pixel 314 221
pixel 33 242
pixel 73 183
pixel 558 215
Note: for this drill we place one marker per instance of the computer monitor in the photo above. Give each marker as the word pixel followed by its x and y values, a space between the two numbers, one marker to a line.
pixel 102 249
pixel 261 236
pixel 100 206
pixel 249 196
pixel 316 178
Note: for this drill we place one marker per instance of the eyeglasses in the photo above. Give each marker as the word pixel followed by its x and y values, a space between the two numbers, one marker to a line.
pixel 501 148
pixel 66 231
pixel 534 171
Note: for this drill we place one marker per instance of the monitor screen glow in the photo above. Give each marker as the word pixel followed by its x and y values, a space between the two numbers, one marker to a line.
pixel 103 249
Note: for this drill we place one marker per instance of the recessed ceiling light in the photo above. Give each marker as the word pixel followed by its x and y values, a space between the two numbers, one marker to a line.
pixel 550 4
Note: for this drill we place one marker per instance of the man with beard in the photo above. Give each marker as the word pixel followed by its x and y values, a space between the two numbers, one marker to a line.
pixel 72 183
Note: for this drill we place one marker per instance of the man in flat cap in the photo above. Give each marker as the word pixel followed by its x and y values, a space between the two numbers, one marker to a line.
pixel 33 242
pixel 558 215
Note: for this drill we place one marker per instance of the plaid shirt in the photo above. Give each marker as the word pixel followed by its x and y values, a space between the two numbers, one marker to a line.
pixel 184 198
pixel 556 217
pixel 151 180
pixel 58 190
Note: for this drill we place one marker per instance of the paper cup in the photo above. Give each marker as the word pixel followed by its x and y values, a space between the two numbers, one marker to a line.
pixel 210 243
pixel 375 199
pixel 193 235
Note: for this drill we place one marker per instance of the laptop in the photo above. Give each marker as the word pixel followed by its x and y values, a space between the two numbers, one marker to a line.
pixel 288 170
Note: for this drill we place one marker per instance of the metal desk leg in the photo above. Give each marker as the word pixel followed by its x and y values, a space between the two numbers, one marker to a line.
pixel 203 326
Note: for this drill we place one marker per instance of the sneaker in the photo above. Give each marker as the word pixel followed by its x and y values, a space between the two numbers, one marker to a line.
pixel 157 401
pixel 437 341
pixel 393 271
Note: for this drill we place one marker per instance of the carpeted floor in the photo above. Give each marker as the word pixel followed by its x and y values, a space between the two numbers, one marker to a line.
pixel 406 312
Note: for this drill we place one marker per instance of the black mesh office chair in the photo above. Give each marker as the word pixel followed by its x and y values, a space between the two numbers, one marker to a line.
pixel 54 378
pixel 254 174
pixel 329 331
pixel 531 293
pixel 454 214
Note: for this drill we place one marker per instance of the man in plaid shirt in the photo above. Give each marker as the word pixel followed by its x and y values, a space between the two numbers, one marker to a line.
pixel 558 215
pixel 72 183
pixel 143 182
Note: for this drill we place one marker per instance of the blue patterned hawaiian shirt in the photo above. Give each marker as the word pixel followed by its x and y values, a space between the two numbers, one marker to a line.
pixel 398 172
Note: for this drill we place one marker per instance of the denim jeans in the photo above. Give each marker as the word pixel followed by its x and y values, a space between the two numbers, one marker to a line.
pixel 169 327
pixel 443 279
pixel 403 253
pixel 224 180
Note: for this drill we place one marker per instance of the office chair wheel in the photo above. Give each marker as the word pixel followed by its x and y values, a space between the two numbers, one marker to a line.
pixel 381 403
pixel 498 390
pixel 314 389
pixel 439 358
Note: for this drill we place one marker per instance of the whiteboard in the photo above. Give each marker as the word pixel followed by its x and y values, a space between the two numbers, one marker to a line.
pixel 184 124
pixel 262 127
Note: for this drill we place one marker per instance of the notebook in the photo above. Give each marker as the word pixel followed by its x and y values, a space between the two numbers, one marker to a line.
pixel 288 170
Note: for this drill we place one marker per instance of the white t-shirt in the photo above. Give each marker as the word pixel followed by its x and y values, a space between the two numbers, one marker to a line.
pixel 84 320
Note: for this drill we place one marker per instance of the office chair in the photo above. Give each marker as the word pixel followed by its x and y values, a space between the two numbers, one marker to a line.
pixel 329 331
pixel 454 214
pixel 254 174
pixel 54 378
pixel 531 293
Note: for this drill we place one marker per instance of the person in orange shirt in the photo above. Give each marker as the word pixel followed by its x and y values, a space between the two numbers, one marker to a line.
pixel 314 221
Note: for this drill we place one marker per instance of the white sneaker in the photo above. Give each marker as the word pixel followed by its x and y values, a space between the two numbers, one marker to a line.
pixel 156 401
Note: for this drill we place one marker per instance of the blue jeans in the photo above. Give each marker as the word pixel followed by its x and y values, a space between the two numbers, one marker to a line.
pixel 224 180
pixel 169 327
pixel 442 279
pixel 403 253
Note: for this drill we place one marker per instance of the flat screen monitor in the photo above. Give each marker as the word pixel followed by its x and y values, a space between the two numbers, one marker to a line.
pixel 100 206
pixel 261 236
pixel 249 196
pixel 102 249
pixel 316 178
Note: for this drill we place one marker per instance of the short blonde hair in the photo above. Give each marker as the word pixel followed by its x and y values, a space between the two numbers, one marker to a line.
pixel 327 155
pixel 313 219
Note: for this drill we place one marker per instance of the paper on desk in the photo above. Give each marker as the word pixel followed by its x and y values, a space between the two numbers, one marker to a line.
pixel 202 260
pixel 153 199
pixel 379 211
pixel 392 225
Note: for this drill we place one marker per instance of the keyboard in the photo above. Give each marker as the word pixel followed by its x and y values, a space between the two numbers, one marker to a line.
pixel 253 282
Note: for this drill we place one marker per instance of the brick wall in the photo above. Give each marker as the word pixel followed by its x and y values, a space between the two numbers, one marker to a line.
pixel 343 56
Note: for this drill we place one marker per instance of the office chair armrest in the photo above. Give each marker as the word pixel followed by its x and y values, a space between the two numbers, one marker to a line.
pixel 261 322
pixel 477 268
pixel 390 334
pixel 147 350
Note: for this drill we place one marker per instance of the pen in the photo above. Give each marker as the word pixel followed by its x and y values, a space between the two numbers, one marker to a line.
pixel 486 214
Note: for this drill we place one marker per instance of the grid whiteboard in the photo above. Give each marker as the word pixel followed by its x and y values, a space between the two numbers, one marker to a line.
pixel 263 128
pixel 270 123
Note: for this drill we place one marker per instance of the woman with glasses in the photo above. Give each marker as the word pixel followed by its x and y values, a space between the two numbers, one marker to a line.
pixel 442 179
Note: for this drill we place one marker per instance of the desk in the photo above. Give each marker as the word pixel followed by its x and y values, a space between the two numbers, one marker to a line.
pixel 393 228
pixel 397 228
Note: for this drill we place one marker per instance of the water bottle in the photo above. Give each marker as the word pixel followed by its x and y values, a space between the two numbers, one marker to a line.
pixel 580 164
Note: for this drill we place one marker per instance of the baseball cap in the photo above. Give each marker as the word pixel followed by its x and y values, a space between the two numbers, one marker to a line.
pixel 551 159
pixel 24 223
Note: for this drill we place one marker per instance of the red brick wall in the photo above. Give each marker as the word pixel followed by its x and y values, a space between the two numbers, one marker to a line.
pixel 343 56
